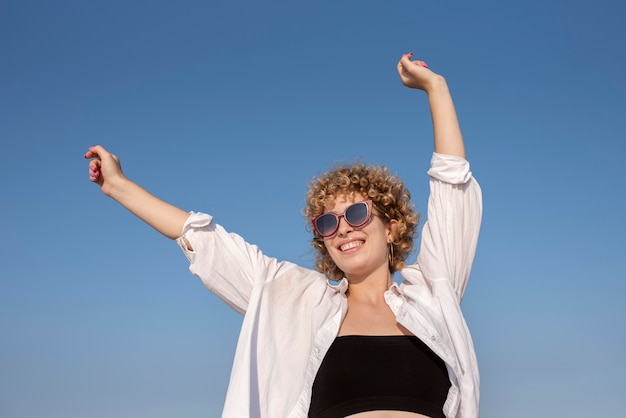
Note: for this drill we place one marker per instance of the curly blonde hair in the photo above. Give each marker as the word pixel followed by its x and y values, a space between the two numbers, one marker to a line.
pixel 389 197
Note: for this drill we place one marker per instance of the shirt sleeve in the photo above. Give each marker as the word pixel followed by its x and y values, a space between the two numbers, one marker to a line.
pixel 450 234
pixel 227 264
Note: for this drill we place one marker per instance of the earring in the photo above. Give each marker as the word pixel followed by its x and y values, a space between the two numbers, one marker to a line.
pixel 391 254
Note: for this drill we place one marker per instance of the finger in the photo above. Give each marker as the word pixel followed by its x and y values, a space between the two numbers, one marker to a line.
pixel 94 165
pixel 405 60
pixel 96 151
pixel 94 170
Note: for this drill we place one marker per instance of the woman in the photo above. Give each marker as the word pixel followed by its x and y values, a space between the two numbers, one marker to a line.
pixel 366 347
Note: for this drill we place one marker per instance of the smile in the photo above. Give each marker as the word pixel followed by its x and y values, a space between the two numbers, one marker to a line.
pixel 349 245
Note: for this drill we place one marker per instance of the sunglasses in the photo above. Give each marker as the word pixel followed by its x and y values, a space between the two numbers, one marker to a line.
pixel 356 215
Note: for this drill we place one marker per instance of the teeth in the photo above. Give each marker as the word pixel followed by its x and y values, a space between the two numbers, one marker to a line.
pixel 349 245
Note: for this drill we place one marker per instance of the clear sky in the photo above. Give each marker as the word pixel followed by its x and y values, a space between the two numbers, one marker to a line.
pixel 230 107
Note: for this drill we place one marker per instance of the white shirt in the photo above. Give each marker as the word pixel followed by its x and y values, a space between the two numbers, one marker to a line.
pixel 293 314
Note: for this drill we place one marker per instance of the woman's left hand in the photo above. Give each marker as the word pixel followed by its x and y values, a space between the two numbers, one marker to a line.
pixel 415 74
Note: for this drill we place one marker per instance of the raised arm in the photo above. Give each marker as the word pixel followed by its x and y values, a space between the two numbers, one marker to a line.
pixel 446 129
pixel 106 171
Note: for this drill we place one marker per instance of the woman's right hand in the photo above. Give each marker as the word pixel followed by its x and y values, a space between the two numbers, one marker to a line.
pixel 106 171
pixel 104 168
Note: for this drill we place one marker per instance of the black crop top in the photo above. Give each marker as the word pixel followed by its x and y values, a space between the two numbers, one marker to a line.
pixel 370 373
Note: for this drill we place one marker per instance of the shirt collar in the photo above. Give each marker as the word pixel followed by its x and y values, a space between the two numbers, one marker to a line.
pixel 342 286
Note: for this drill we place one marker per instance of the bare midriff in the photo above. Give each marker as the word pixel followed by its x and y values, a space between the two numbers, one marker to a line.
pixel 387 414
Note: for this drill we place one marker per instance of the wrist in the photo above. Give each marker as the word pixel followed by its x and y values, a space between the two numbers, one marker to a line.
pixel 436 85
pixel 117 187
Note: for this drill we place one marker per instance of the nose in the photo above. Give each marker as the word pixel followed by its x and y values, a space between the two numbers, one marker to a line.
pixel 344 226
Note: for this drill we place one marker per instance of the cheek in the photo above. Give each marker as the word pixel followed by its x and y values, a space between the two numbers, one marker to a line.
pixel 330 248
pixel 333 252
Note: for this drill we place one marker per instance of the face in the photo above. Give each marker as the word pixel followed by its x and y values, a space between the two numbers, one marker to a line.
pixel 363 250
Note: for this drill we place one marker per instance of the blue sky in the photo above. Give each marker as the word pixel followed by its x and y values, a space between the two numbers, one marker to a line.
pixel 230 107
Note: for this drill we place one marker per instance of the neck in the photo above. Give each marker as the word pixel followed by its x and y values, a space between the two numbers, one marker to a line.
pixel 370 288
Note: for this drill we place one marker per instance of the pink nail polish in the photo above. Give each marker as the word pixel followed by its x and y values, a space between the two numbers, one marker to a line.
pixel 423 64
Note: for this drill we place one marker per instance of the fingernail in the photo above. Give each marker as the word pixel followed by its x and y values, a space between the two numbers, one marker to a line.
pixel 410 54
pixel 423 64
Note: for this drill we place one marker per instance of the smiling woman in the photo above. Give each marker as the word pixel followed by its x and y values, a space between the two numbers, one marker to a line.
pixel 366 346
pixel 386 193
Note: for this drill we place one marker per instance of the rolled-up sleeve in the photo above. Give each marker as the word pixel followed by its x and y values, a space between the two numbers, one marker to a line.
pixel 450 234
pixel 227 265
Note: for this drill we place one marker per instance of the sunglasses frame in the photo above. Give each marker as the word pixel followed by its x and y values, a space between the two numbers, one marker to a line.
pixel 370 211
